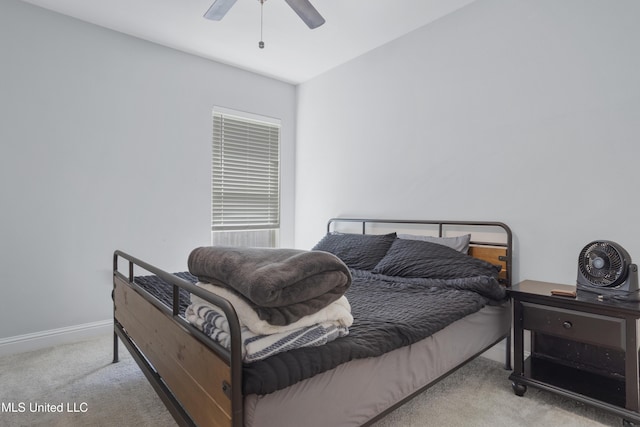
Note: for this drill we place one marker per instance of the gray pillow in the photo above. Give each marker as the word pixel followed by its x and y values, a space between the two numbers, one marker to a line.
pixel 358 251
pixel 416 258
pixel 459 243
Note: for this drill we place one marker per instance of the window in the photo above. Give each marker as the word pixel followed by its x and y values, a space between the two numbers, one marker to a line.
pixel 245 180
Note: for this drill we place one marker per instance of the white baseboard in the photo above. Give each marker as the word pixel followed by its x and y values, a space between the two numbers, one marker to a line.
pixel 43 339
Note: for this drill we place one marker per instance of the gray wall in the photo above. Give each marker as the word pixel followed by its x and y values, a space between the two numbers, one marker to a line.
pixel 105 143
pixel 521 111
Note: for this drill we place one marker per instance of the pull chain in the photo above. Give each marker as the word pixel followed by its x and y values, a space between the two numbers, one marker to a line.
pixel 261 43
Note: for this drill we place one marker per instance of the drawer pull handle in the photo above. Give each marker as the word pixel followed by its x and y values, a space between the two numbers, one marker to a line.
pixel 567 324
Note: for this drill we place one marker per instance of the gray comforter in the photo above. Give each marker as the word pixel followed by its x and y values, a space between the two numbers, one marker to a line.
pixel 282 285
pixel 413 309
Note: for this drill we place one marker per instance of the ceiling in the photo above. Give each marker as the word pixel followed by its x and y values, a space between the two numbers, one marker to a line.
pixel 292 53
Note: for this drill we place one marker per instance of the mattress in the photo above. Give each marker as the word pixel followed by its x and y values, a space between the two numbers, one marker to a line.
pixel 359 390
pixel 414 308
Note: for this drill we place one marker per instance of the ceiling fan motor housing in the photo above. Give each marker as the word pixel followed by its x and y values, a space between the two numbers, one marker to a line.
pixel 605 267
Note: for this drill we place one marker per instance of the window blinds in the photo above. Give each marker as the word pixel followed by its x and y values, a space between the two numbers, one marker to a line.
pixel 245 174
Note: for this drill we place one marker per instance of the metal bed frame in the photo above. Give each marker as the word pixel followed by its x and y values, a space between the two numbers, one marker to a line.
pixel 125 287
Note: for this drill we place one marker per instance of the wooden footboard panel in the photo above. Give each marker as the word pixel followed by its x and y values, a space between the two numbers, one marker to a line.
pixel 193 372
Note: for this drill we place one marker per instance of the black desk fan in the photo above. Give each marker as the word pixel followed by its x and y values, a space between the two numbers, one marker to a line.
pixel 605 267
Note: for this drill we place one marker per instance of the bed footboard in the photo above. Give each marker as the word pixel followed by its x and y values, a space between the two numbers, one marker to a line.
pixel 198 380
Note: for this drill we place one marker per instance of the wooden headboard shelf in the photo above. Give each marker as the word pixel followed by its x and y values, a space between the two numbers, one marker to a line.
pixel 494 255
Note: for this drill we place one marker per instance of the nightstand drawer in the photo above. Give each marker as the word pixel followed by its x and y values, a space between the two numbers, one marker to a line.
pixel 574 325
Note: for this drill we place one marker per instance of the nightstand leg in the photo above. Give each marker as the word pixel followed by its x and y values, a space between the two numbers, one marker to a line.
pixel 507 356
pixel 518 339
pixel 631 365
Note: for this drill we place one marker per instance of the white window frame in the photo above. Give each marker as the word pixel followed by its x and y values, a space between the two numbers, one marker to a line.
pixel 245 200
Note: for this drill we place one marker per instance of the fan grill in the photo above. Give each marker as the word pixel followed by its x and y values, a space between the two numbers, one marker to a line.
pixel 602 264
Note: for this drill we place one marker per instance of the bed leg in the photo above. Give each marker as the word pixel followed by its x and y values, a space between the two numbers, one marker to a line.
pixel 116 359
pixel 507 356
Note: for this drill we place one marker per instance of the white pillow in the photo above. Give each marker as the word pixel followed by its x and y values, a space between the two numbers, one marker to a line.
pixel 459 243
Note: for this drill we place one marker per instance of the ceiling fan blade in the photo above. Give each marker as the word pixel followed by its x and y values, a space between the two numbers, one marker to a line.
pixel 306 12
pixel 218 9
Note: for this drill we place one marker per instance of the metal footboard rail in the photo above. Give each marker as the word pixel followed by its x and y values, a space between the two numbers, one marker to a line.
pixel 232 356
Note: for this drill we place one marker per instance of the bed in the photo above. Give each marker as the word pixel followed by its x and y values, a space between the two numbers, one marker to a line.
pixel 348 381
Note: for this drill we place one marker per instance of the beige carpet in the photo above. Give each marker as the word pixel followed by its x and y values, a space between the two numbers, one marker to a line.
pixel 80 377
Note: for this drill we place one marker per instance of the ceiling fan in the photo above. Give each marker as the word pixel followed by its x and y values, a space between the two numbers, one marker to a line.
pixel 303 8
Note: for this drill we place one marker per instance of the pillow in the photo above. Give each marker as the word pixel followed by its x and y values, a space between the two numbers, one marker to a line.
pixel 358 251
pixel 459 243
pixel 416 258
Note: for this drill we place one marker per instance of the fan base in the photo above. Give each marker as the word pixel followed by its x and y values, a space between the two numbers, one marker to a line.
pixel 627 291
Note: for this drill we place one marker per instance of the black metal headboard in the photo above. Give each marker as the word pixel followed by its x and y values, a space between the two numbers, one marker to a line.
pixel 504 238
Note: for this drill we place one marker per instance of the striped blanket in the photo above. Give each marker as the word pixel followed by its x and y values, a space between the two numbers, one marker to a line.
pixel 257 347
pixel 338 312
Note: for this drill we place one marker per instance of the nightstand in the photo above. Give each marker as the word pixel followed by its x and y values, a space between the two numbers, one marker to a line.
pixel 584 348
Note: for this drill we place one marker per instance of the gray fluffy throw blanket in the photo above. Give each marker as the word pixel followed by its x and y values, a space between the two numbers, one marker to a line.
pixel 281 285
